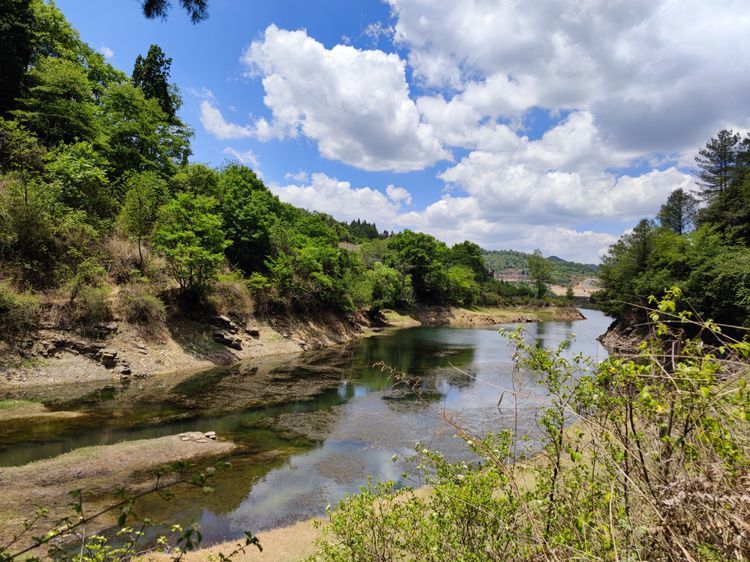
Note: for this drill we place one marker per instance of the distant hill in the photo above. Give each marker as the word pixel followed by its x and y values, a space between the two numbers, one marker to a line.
pixel 517 263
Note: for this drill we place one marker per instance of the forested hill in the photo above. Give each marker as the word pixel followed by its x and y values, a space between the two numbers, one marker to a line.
pixel 563 272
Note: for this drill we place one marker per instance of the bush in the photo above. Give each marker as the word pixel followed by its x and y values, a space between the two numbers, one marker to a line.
pixel 139 306
pixel 230 295
pixel 18 313
pixel 123 263
pixel 91 306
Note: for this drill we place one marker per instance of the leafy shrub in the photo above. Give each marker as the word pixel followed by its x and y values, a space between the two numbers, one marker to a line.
pixel 138 305
pixel 18 313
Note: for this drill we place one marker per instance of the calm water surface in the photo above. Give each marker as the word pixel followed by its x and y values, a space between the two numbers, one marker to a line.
pixel 300 455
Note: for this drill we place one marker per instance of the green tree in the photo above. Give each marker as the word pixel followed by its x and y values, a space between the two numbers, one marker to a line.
pixel 189 233
pixel 627 263
pixel 679 211
pixel 250 212
pixel 540 272
pixel 20 152
pixel 463 288
pixel 151 74
pixel 16 25
pixel 197 179
pixel 140 136
pixel 146 191
pixel 59 104
pixel 470 255
pixel 422 257
pixel 569 294
pixel 79 172
pixel 716 164
pixel 389 288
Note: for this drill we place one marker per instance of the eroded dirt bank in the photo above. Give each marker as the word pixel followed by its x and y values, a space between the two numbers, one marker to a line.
pixel 118 351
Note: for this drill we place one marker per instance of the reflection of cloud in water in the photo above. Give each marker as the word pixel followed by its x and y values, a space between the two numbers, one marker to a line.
pixel 303 488
pixel 375 422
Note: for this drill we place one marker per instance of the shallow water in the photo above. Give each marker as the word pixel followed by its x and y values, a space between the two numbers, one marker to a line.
pixel 313 427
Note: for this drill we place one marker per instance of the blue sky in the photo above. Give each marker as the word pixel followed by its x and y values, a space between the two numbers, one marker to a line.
pixel 516 125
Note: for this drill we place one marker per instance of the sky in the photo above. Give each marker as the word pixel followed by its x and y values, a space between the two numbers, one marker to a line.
pixel 546 125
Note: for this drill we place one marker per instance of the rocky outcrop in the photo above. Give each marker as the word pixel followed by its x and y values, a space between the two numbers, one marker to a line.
pixel 53 344
pixel 228 339
pixel 625 334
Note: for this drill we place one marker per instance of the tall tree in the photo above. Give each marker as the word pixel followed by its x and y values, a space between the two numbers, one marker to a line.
pixel 678 213
pixel 140 137
pixel 540 272
pixel 151 74
pixel 146 192
pixel 16 21
pixel 470 255
pixel 196 9
pixel 716 164
pixel 422 257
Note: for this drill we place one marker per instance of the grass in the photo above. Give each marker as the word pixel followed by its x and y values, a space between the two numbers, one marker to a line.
pixel 15 404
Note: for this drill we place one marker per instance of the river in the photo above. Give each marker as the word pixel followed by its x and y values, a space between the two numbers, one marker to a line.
pixel 313 427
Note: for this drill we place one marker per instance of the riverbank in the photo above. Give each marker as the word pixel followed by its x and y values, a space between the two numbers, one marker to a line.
pixel 480 316
pixel 121 352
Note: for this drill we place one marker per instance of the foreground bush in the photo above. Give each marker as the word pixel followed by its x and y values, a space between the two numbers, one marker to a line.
pixel 655 466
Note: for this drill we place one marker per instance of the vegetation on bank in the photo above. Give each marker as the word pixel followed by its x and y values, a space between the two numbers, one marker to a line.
pixel 699 243
pixel 653 467
pixel 97 199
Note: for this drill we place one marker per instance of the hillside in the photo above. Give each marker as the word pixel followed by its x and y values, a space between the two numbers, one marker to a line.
pixel 514 265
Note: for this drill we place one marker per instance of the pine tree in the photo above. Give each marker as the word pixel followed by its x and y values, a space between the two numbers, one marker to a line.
pixel 678 213
pixel 716 164
pixel 196 9
pixel 151 75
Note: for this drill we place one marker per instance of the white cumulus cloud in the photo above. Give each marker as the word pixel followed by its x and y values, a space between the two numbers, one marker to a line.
pixel 354 103
pixel 213 121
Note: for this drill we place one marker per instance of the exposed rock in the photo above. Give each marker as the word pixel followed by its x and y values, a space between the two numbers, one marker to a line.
pixel 253 331
pixel 105 329
pixel 225 323
pixel 227 339
pixel 107 357
pixel 210 434
pixel 123 369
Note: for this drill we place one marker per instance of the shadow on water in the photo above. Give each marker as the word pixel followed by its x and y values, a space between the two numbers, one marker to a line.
pixel 312 427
